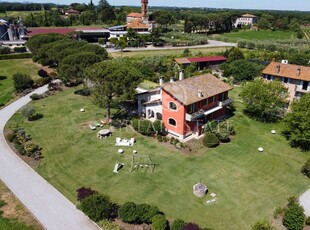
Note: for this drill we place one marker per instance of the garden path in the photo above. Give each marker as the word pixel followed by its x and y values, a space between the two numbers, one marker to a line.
pixel 49 207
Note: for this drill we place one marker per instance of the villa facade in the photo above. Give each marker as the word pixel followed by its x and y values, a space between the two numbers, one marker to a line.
pixel 186 105
pixel 294 77
pixel 246 19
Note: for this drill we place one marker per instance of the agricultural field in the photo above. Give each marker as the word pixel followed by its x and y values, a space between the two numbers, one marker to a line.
pixel 306 31
pixel 16 14
pixel 249 184
pixel 260 35
pixel 8 68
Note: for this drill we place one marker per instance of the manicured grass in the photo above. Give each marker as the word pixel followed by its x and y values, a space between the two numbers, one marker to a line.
pixel 175 52
pixel 8 68
pixel 261 35
pixel 249 184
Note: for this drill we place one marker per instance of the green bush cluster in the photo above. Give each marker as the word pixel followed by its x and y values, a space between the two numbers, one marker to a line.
pixel 23 144
pixel 220 132
pixel 22 82
pixel 306 168
pixel 210 140
pixel 20 49
pixel 159 222
pixel 5 50
pixel 137 213
pixel 15 56
pixel 185 39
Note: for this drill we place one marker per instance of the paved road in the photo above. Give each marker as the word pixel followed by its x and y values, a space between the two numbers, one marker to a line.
pixel 305 201
pixel 212 43
pixel 50 207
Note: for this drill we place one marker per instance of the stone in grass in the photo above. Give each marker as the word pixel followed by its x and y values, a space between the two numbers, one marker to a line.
pixel 260 149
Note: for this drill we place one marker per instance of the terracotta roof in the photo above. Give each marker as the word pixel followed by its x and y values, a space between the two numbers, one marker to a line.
pixel 136 24
pixel 288 70
pixel 200 59
pixel 72 11
pixel 34 31
pixel 249 16
pixel 186 91
pixel 135 15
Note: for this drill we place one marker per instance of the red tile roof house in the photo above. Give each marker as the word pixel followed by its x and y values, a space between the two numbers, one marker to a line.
pixel 294 77
pixel 186 105
pixel 202 62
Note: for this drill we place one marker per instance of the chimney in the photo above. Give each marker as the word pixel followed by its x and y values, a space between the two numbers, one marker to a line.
pixel 298 71
pixel 278 68
pixel 181 75
pixel 161 81
pixel 171 80
pixel 200 93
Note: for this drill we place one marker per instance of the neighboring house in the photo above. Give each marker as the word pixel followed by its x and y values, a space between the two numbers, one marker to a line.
pixel 246 19
pixel 202 62
pixel 72 12
pixel 134 16
pixel 186 105
pixel 295 78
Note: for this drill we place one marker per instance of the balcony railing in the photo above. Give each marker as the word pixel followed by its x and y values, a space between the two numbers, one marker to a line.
pixel 205 111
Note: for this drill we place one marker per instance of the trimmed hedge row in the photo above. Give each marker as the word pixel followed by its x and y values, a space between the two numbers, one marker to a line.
pixel 15 56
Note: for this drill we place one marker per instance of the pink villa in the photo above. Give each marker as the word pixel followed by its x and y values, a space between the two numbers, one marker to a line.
pixel 294 77
pixel 185 105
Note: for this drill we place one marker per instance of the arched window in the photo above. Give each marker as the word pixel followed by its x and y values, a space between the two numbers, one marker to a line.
pixel 172 106
pixel 172 122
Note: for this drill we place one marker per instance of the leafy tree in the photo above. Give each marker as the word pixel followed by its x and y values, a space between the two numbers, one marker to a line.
pixel 262 225
pixel 22 82
pixel 105 11
pixel 177 224
pixel 299 59
pixel 297 129
pixel 98 207
pixel 72 67
pixel 263 23
pixel 113 78
pixel 28 111
pixel 37 41
pixel 294 217
pixel 234 54
pixel 264 100
pixel 159 222
pixel 241 70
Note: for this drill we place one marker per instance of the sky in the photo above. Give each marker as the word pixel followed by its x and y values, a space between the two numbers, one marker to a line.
pixel 303 5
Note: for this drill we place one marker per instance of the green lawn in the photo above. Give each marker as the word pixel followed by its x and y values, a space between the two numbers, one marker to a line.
pixel 260 35
pixel 249 184
pixel 8 68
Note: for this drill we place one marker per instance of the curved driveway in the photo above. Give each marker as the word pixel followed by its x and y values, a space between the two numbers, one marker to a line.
pixel 50 207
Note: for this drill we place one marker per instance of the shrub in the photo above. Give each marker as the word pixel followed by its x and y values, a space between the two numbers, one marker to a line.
pixel 106 224
pixel 159 127
pixel 210 140
pixel 159 222
pixel 147 212
pixel 306 168
pixel 262 225
pixel 127 212
pixel 294 217
pixel 21 49
pixel 98 207
pixel 308 221
pixel 83 193
pixel 159 138
pixel 278 212
pixel 15 56
pixel 83 92
pixel 2 203
pixel 145 127
pixel 19 148
pixel 36 96
pixel 31 148
pixel 22 81
pixel 28 111
pixel 177 224
pixel 5 50
pixel 42 73
pixel 10 137
pixel 191 226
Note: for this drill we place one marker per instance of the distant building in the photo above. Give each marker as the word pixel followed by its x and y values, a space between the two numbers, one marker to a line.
pixel 72 12
pixel 134 16
pixel 202 62
pixel 12 32
pixel 186 105
pixel 294 77
pixel 139 21
pixel 246 19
